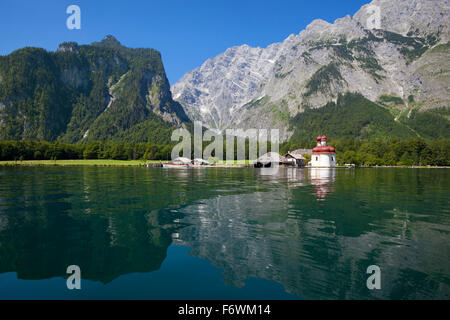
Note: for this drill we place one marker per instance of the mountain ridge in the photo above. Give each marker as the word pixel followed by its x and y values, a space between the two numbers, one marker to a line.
pixel 87 92
pixel 242 88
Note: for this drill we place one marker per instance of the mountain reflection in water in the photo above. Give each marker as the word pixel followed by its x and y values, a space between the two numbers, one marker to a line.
pixel 314 231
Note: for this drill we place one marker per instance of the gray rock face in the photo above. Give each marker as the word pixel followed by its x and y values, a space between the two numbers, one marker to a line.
pixel 215 91
pixel 413 17
pixel 405 55
pixel 68 47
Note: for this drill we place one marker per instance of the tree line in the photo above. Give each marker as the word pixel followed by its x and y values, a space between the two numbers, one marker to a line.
pixel 410 152
pixel 387 152
pixel 43 150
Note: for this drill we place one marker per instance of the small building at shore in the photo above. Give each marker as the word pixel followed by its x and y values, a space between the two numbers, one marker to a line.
pixel 200 162
pixel 295 159
pixel 181 160
pixel 323 155
pixel 268 160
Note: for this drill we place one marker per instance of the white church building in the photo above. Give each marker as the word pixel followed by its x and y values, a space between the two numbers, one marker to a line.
pixel 323 155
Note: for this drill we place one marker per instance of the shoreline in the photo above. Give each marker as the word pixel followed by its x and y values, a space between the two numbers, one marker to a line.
pixel 156 163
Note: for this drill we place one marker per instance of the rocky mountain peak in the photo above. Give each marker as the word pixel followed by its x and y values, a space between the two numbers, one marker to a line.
pixel 408 17
pixel 110 39
pixel 250 87
pixel 68 47
pixel 343 28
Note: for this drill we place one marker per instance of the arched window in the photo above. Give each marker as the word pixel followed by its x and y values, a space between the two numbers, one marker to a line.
pixel 317 158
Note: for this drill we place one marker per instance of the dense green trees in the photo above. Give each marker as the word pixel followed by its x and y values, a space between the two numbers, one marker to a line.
pixel 355 117
pixel 387 152
pixel 352 116
pixel 41 150
pixel 379 152
pixel 432 124
pixel 365 133
pixel 32 98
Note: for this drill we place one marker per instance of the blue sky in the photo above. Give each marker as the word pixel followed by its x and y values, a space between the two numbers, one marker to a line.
pixel 185 32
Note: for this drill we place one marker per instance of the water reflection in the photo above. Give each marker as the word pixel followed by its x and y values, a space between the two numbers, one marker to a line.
pixel 104 248
pixel 290 240
pixel 322 179
pixel 98 221
pixel 113 222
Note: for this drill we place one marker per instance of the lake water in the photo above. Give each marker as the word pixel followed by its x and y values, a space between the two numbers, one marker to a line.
pixel 217 233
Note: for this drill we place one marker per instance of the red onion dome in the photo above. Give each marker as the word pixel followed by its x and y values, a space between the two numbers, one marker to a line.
pixel 324 138
pixel 323 149
pixel 319 138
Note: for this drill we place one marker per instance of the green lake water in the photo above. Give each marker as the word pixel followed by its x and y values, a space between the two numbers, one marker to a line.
pixel 217 233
